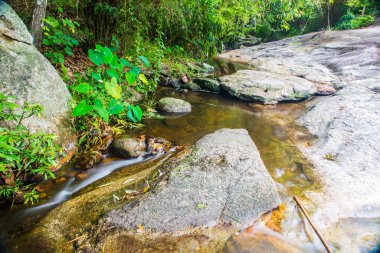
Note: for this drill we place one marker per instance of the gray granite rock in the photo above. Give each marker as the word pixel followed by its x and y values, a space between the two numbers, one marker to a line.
pixel 173 105
pixel 223 181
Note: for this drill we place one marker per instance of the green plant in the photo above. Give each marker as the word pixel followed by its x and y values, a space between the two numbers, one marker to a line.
pixel 24 155
pixel 31 197
pixel 351 21
pixel 101 92
pixel 58 38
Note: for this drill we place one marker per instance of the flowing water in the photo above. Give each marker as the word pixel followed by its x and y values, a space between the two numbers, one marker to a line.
pixel 273 130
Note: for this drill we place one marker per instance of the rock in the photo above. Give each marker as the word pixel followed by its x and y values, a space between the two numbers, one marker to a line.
pixel 224 177
pixel 129 147
pixel 175 83
pixel 12 26
pixel 325 90
pixel 266 87
pixel 192 87
pixel 207 84
pixel 163 80
pixel 201 68
pixel 250 241
pixel 28 76
pixel 133 96
pixel 346 155
pixel 185 79
pixel 60 180
pixel 347 126
pixel 173 105
pixel 81 176
pixel 249 41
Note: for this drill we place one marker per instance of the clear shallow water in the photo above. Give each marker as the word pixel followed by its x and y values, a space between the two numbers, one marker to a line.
pixel 274 132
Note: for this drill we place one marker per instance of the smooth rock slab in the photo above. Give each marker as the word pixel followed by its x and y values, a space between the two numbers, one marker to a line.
pixel 173 105
pixel 222 181
pixel 347 126
pixel 266 87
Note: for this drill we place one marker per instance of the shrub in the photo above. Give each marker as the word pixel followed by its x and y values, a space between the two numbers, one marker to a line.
pixel 58 39
pixel 24 155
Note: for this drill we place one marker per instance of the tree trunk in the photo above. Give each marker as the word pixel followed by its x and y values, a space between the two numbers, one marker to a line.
pixel 328 15
pixel 37 22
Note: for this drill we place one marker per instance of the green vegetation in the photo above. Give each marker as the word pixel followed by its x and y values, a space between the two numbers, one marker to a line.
pixel 359 13
pixel 58 39
pixel 25 157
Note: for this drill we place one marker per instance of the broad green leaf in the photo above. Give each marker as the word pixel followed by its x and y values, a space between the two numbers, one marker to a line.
pixel 81 109
pixel 102 112
pixel 145 60
pixel 115 107
pixel 125 62
pixel 96 57
pixel 130 115
pixel 134 113
pixel 83 88
pixel 96 75
pixel 137 112
pixel 113 89
pixel 108 56
pixel 132 74
pixel 143 79
pixel 112 73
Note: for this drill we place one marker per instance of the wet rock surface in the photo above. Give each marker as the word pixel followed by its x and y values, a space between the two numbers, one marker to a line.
pixel 223 181
pixel 129 147
pixel 192 87
pixel 326 59
pixel 257 242
pixel 266 87
pixel 346 155
pixel 207 84
pixel 28 76
pixel 173 105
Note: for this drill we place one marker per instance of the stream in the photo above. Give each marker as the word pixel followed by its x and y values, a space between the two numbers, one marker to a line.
pixel 278 138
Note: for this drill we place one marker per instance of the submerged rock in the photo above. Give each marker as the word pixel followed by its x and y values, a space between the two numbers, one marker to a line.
pixel 250 241
pixel 192 87
pixel 129 147
pixel 207 84
pixel 28 76
pixel 266 87
pixel 223 181
pixel 173 105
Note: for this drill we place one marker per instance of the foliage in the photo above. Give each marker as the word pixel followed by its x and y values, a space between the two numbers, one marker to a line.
pixel 23 155
pixel 102 91
pixel 58 38
pixel 350 21
pixel 359 13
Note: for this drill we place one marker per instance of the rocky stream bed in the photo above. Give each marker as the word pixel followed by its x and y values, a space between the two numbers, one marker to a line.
pixel 298 116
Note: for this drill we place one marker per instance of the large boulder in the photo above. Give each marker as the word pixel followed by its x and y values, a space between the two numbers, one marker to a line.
pixel 223 181
pixel 266 87
pixel 325 59
pixel 28 76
